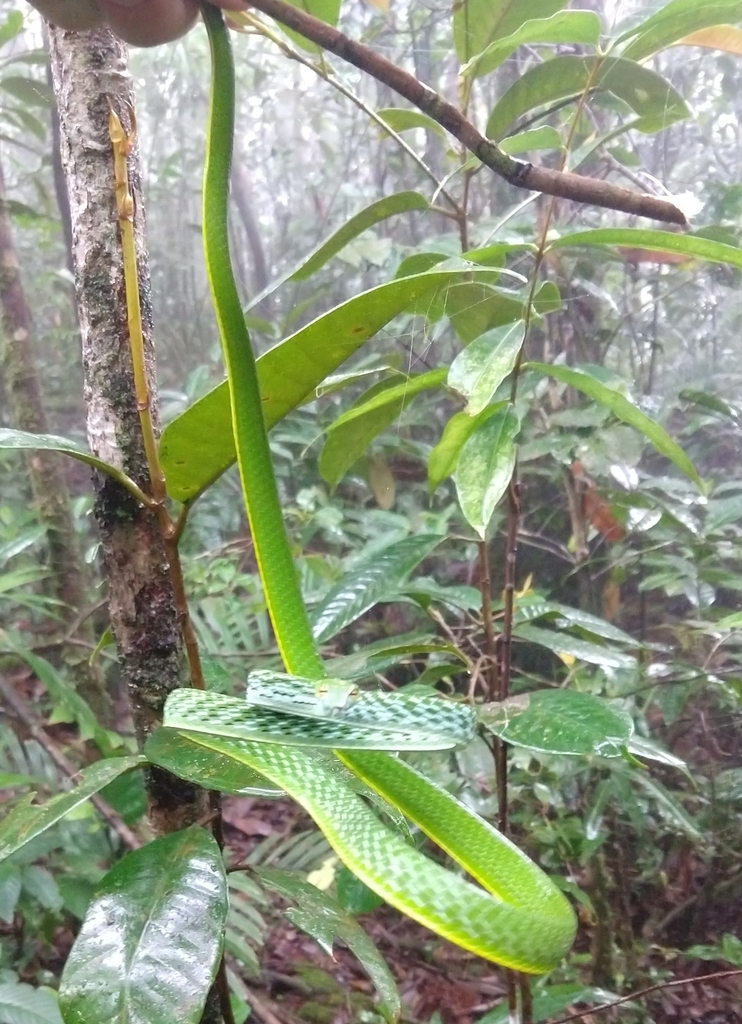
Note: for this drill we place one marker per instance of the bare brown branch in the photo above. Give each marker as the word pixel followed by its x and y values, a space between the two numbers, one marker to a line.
pixel 563 184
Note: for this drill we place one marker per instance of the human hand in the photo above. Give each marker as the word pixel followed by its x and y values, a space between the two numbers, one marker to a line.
pixel 141 22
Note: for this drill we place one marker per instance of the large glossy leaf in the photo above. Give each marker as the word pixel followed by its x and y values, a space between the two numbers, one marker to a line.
pixel 22 440
pixel 197 447
pixel 208 768
pixel 444 457
pixel 563 27
pixel 324 919
pixel 675 20
pixel 478 371
pixel 478 23
pixel 625 410
pixel 24 1004
pixel 369 583
pixel 656 102
pixel 560 722
pixel 573 647
pixel 389 206
pixel 658 241
pixel 485 467
pixel 352 433
pixel 28 820
pixel 151 941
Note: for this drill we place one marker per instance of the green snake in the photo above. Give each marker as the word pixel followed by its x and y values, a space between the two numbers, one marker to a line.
pixel 518 918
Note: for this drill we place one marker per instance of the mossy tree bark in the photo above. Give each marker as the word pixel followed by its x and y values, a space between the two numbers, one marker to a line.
pixel 89 71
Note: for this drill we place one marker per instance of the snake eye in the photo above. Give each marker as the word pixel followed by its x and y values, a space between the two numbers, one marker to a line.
pixel 322 691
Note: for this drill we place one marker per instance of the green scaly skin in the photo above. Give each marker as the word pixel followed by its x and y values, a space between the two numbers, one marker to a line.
pixel 525 923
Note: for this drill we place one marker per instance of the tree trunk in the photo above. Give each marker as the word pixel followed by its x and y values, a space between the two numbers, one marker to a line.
pixel 90 71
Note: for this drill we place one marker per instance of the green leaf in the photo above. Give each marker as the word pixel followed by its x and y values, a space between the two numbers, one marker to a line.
pixel 485 468
pixel 551 1000
pixel 346 444
pixel 533 138
pixel 10 779
pixel 23 1004
pixel 21 440
pixel 11 27
pixel 383 654
pixel 10 890
pixel 39 883
pixel 625 410
pixel 326 10
pixel 26 820
pixel 707 401
pixel 31 91
pixel 478 23
pixel 547 299
pixel 197 447
pixel 444 457
pixel 560 722
pixel 692 246
pixel 149 947
pixel 668 806
pixel 324 919
pixel 354 896
pixel 640 746
pixel 529 610
pixel 563 27
pixel 475 307
pixel 675 20
pixel 208 768
pixel 384 208
pixel 404 119
pixel 352 433
pixel 69 706
pixel 656 102
pixel 478 371
pixel 583 650
pixel 368 583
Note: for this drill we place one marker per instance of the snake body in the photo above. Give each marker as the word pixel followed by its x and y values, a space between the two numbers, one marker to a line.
pixel 523 920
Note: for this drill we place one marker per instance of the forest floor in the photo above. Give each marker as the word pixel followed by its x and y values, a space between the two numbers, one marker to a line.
pixel 438 982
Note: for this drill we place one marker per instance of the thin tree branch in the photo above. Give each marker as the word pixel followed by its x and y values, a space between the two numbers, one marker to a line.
pixel 647 991
pixel 329 75
pixel 24 714
pixel 563 184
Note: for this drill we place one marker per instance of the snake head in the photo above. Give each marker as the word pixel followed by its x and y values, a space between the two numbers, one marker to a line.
pixel 334 694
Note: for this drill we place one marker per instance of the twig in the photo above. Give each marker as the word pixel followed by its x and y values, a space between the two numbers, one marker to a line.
pixel 222 987
pixel 647 991
pixel 262 1009
pixel 328 75
pixel 564 184
pixel 25 715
